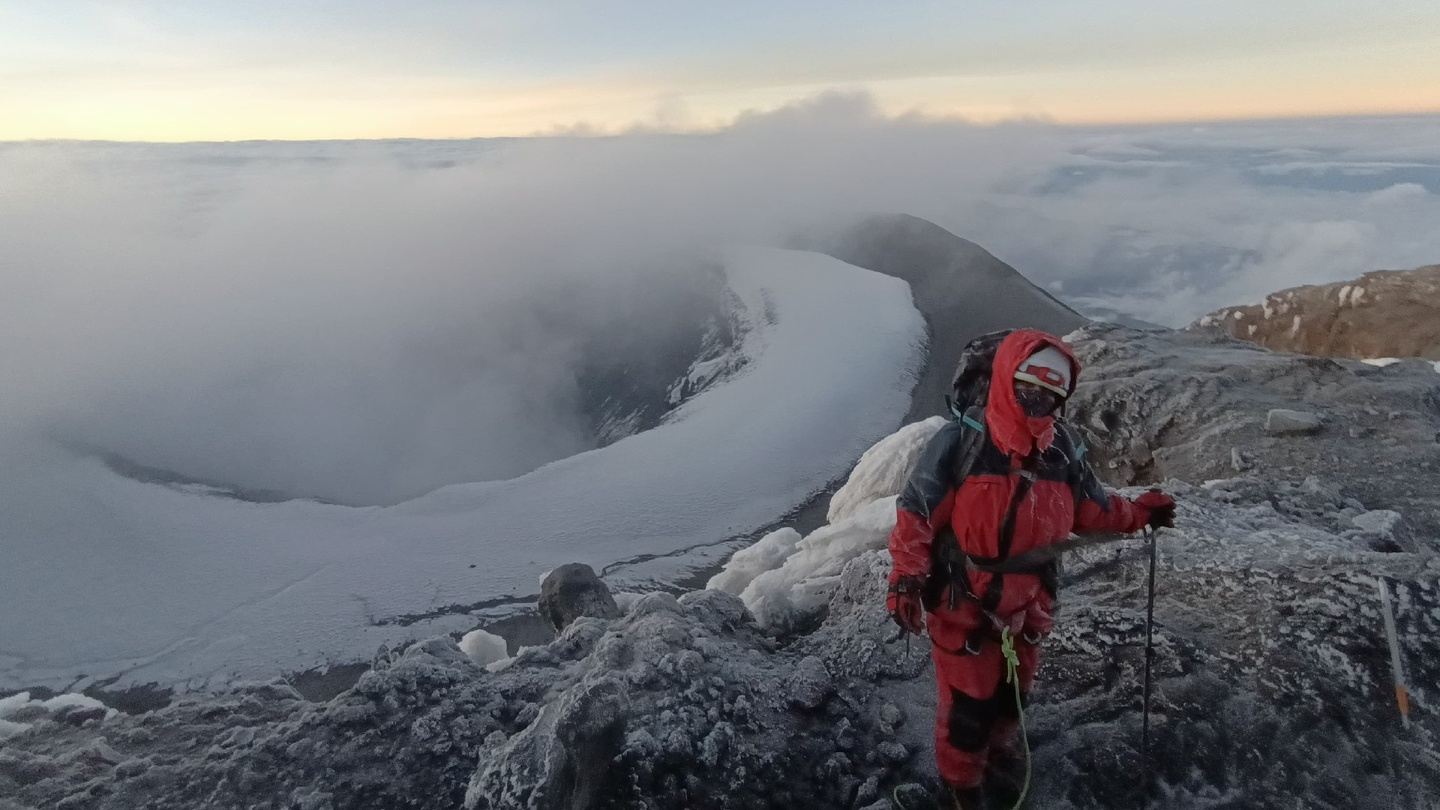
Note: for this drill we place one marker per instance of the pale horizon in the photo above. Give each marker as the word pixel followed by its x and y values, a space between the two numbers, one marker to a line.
pixel 140 71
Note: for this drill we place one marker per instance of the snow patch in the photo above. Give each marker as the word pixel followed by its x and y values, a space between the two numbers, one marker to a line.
pixel 9 729
pixel 625 600
pixel 484 648
pixel 14 703
pixel 1381 362
pixel 21 705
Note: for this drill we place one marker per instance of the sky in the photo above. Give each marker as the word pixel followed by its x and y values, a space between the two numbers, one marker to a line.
pixel 148 70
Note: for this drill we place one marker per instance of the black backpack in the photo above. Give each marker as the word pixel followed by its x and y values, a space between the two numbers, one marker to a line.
pixel 970 387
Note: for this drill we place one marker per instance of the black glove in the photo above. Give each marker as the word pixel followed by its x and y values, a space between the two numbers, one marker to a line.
pixel 904 604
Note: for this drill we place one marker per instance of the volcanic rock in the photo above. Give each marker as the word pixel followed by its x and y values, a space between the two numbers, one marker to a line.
pixel 572 591
pixel 1387 313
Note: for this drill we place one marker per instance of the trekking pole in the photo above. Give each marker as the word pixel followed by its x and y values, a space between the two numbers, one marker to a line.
pixel 1149 651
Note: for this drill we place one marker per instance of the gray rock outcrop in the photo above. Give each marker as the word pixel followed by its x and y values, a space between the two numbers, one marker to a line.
pixel 572 591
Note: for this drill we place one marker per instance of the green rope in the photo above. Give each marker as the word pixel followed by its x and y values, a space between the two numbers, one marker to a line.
pixel 1012 675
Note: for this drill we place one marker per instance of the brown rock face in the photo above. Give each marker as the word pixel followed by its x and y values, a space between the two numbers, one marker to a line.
pixel 1387 313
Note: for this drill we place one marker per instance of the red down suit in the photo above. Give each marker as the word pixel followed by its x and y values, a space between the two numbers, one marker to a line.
pixel 976 718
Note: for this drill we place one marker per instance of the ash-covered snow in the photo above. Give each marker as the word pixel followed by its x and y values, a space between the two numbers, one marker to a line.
pixel 1272 677
pixel 183 588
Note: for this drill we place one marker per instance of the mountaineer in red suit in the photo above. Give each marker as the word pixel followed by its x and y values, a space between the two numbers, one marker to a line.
pixel 1001 480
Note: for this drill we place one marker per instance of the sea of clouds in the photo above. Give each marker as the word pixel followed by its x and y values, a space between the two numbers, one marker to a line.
pixel 365 321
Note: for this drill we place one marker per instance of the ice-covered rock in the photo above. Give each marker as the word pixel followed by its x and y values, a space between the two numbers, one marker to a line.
pixel 1287 422
pixel 809 684
pixel 483 647
pixel 1188 397
pixel 1379 521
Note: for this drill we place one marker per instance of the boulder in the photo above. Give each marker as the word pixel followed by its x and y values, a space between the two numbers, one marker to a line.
pixel 572 591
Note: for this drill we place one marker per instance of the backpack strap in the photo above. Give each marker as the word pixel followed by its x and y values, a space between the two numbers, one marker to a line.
pixel 1080 476
pixel 972 439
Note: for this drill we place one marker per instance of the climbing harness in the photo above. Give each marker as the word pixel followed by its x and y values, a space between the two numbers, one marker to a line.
pixel 1012 676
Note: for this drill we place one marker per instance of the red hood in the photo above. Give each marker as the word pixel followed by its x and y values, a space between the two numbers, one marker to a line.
pixel 1011 429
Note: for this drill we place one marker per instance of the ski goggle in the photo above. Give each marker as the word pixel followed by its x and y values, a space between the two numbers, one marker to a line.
pixel 1044 377
pixel 1036 401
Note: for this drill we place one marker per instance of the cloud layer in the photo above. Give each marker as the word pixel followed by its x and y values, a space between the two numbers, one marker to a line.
pixel 364 321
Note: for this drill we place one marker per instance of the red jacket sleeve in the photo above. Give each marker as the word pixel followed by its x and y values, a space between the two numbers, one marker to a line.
pixel 913 534
pixel 925 504
pixel 1119 515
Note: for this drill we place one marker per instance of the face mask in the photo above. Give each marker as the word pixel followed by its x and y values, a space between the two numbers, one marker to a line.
pixel 1035 401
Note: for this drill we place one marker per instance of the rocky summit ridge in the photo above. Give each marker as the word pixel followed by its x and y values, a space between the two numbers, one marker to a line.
pixel 1386 313
pixel 1273 684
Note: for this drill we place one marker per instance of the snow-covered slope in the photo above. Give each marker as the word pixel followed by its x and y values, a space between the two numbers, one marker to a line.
pixel 101 575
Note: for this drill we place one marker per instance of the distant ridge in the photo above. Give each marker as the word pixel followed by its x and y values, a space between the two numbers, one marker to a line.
pixel 960 288
pixel 1386 313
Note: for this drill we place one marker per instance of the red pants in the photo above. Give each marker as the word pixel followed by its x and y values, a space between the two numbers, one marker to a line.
pixel 976 716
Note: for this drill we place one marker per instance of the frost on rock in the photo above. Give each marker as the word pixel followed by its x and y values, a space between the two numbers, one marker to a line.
pixel 1187 398
pixel 1286 422
pixel 1272 682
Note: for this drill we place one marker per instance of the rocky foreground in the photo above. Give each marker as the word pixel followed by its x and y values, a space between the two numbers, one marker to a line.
pixel 1387 313
pixel 1273 680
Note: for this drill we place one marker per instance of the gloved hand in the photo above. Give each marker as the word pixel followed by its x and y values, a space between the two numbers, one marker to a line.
pixel 903 602
pixel 1160 508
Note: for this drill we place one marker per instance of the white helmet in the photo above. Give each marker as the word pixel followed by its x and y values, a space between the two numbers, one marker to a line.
pixel 1047 368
